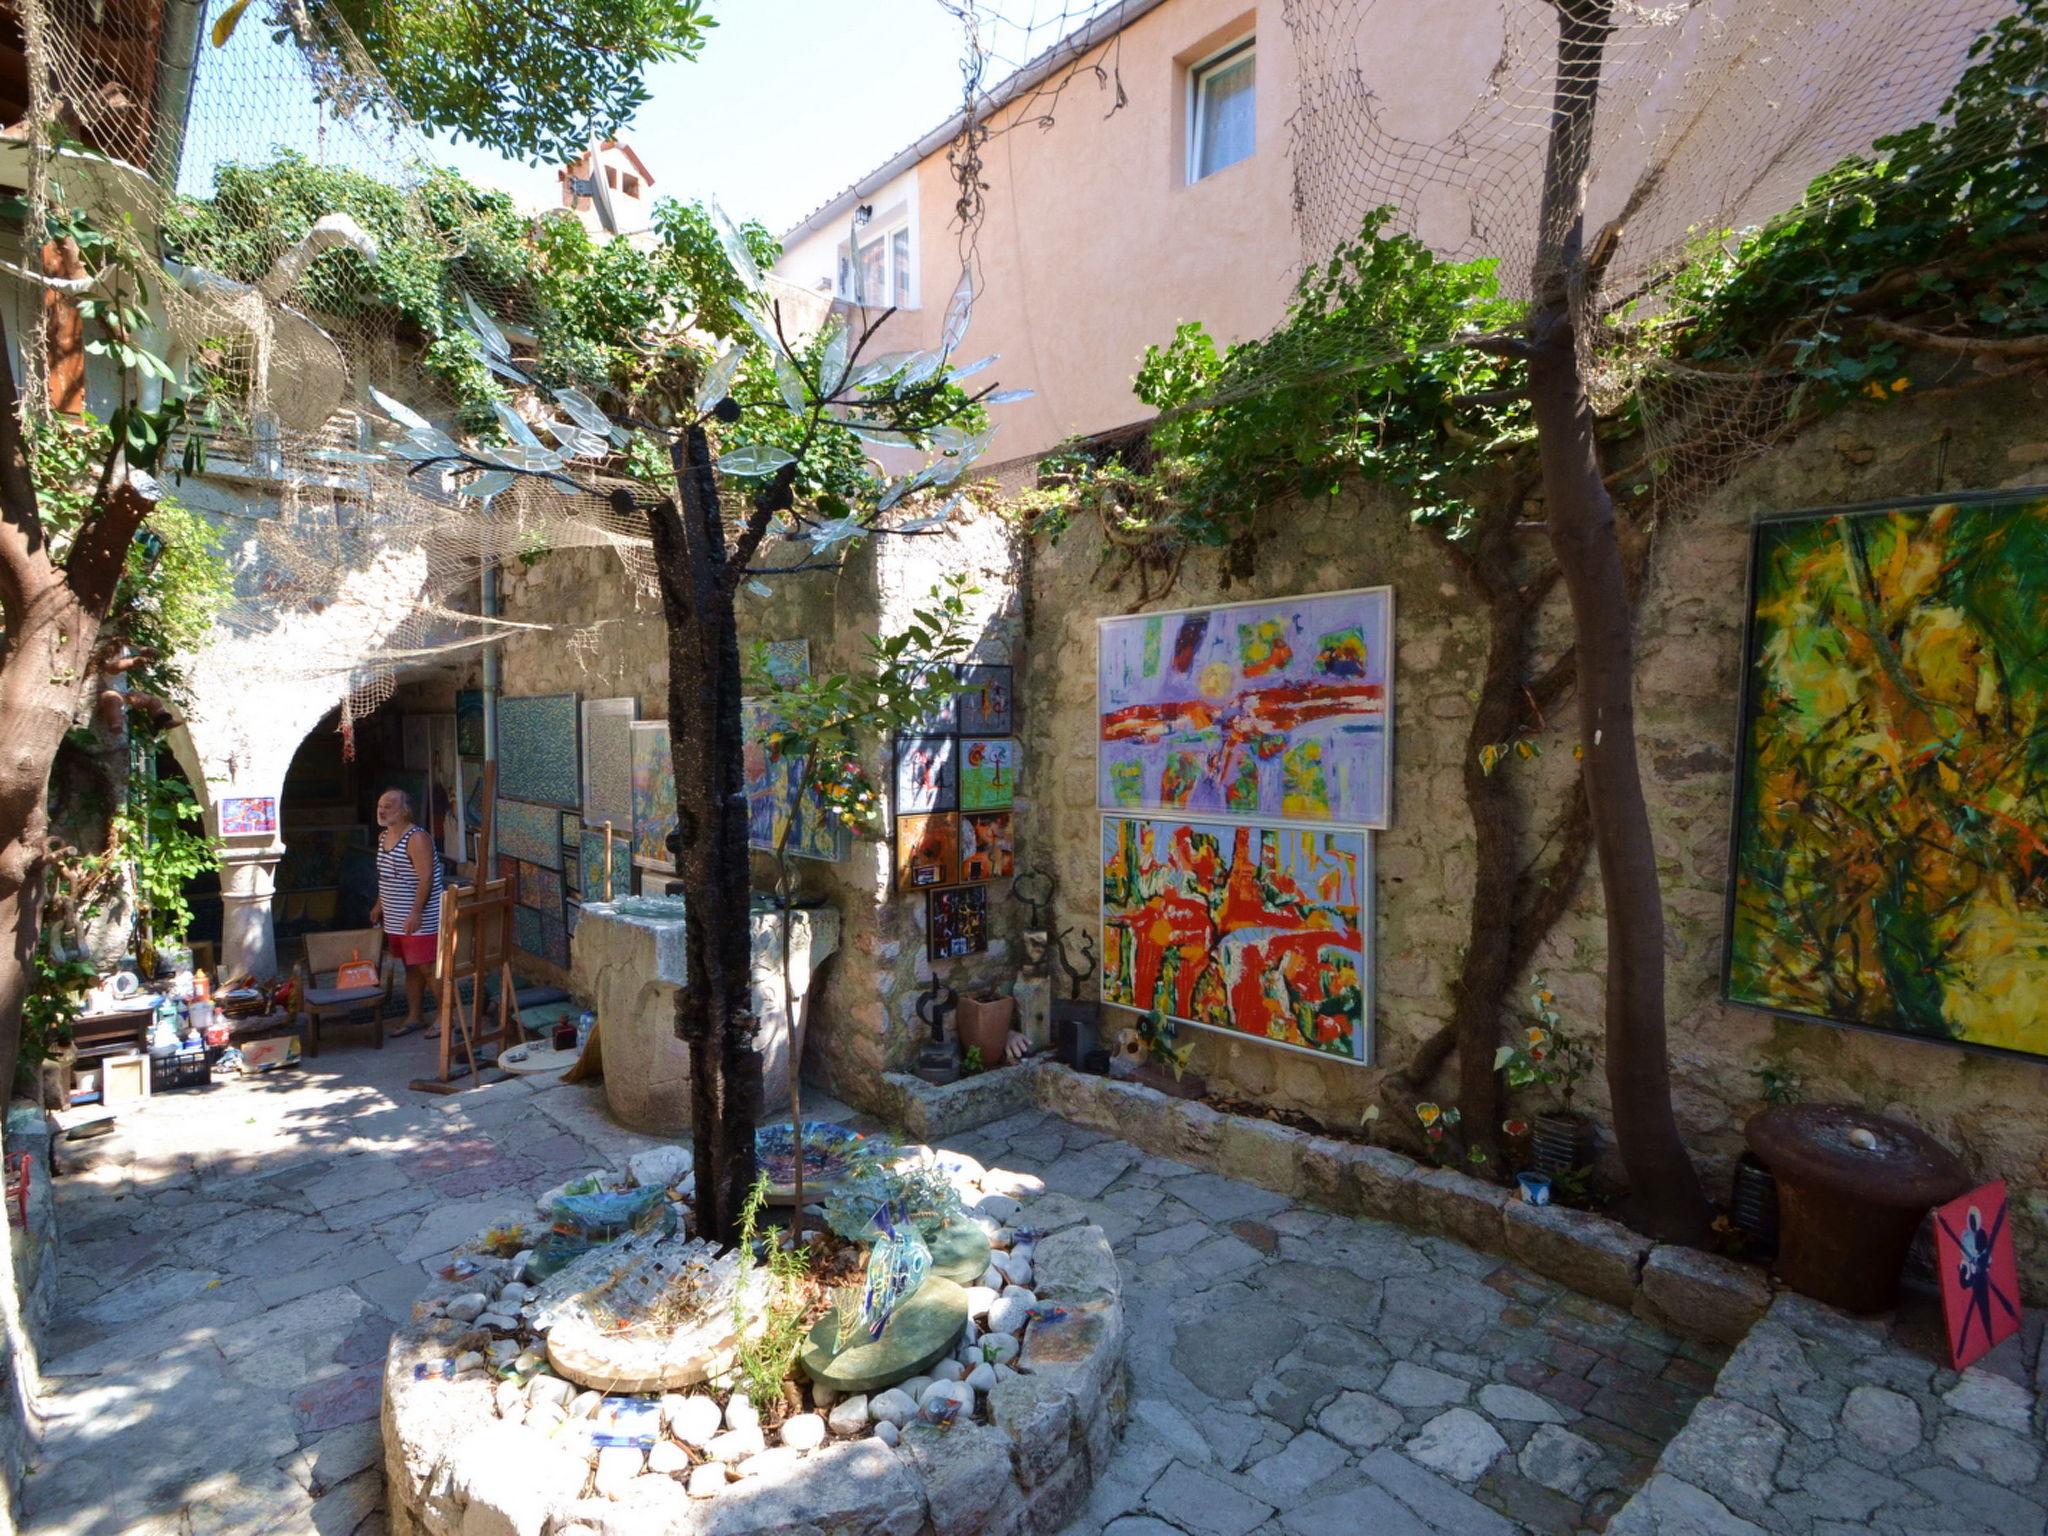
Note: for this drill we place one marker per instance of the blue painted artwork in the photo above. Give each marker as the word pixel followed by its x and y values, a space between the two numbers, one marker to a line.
pixel 530 832
pixel 537 757
pixel 526 931
pixel 591 878
pixel 470 739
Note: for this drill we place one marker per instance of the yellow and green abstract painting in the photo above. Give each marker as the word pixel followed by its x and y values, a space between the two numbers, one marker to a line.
pixel 1891 843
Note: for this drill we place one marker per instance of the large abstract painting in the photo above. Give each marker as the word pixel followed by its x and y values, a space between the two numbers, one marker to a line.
pixel 772 782
pixel 608 762
pixel 654 795
pixel 1891 831
pixel 537 750
pixel 529 832
pixel 1270 710
pixel 1257 930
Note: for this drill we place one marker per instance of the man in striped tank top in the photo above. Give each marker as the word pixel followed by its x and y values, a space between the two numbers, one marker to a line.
pixel 408 898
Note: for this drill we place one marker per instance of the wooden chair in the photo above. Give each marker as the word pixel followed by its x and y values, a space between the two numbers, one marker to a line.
pixel 320 999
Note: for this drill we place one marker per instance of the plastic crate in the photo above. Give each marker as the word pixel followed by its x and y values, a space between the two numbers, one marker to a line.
pixel 185 1069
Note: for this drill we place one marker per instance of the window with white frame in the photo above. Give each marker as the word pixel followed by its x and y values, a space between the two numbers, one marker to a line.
pixel 1221 94
pixel 878 269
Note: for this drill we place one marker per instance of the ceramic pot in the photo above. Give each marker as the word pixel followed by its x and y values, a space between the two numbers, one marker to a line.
pixel 983 1024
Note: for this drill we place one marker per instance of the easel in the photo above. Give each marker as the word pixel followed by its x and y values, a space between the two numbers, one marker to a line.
pixel 475 939
pixel 607 859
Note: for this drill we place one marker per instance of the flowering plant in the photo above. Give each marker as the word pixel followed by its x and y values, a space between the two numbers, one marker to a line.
pixel 1546 1055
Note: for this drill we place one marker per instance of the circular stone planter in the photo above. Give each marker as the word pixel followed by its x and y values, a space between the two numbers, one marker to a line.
pixel 473 1448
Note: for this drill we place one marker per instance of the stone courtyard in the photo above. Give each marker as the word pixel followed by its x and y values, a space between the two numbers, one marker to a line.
pixel 235 1260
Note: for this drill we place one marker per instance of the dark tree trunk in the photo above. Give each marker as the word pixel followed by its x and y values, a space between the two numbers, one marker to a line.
pixel 1664 1187
pixel 714 1010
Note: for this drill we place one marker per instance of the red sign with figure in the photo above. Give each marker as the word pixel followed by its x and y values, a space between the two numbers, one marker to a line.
pixel 1980 1290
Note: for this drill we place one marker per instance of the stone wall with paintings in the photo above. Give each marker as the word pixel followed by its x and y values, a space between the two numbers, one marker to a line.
pixel 1984 1106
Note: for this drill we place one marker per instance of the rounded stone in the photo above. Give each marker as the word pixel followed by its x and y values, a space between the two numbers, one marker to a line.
pixel 803 1432
pixel 980 1298
pixel 940 1393
pixel 849 1416
pixel 892 1407
pixel 948 1370
pixel 920 1333
pixel 708 1480
pixel 888 1433
pixel 1008 1315
pixel 692 1419
pixel 740 1412
pixel 999 1348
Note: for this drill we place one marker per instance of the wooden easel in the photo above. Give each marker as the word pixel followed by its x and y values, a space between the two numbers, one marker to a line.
pixel 475 939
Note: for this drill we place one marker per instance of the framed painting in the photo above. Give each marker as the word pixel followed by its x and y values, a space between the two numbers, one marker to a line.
pixel 537 750
pixel 472 775
pixel 529 934
pixel 470 735
pixel 654 796
pixel 608 761
pixel 572 829
pixel 591 880
pixel 988 846
pixel 529 833
pixel 1256 931
pixel 1274 710
pixel 927 775
pixel 927 851
pixel 540 888
pixel 956 921
pixel 1979 1277
pixel 772 787
pixel 447 809
pixel 987 700
pixel 1886 865
pixel 248 817
pixel 988 772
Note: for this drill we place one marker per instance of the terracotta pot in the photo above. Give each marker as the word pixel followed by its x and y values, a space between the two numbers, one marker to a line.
pixel 983 1024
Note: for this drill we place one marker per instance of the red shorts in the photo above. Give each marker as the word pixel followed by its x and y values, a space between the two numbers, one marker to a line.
pixel 413 949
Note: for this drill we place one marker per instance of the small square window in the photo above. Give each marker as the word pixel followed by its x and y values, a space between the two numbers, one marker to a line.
pixel 632 187
pixel 1221 128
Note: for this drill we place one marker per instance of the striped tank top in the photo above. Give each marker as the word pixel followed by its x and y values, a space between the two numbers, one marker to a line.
pixel 398 885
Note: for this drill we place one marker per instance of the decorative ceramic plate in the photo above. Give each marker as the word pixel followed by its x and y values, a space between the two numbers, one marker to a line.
pixel 827 1148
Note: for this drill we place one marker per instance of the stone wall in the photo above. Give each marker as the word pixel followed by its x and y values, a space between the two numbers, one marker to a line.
pixel 609 641
pixel 1986 1107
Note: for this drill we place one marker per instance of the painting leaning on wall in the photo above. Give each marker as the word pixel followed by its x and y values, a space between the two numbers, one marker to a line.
pixel 1891 828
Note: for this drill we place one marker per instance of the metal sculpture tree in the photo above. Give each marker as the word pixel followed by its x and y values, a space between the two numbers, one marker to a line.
pixel 709 528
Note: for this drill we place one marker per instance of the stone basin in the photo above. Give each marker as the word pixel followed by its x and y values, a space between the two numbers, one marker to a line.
pixel 627 960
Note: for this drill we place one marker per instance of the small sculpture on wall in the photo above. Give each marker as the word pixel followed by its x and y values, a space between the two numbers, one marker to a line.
pixel 1076 974
pixel 937 1059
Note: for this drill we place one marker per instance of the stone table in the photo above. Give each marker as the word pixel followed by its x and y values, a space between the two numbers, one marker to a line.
pixel 627 959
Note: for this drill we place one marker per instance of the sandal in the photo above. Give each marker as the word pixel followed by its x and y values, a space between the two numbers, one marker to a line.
pixel 433 1032
pixel 402 1031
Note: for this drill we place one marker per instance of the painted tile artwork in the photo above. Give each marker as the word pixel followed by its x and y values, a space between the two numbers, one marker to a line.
pixel 1256 930
pixel 537 754
pixel 470 739
pixel 927 851
pixel 987 700
pixel 538 887
pixel 528 832
pixel 1892 808
pixel 654 795
pixel 528 932
pixel 956 921
pixel 591 879
pixel 787 661
pixel 771 794
pixel 608 761
pixel 1979 1277
pixel 927 774
pixel 248 817
pixel 1267 710
pixel 988 772
pixel 988 846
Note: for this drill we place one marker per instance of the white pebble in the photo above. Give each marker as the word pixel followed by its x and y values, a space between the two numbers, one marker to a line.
pixel 994 1279
pixel 499 1321
pixel 740 1412
pixel 511 1397
pixel 469 1360
pixel 887 1432
pixel 584 1403
pixel 550 1389
pixel 892 1407
pixel 1001 1207
pixel 668 1458
pixel 707 1480
pixel 823 1396
pixel 948 1370
pixel 513 1297
pixel 849 1416
pixel 914 1388
pixel 982 1378
pixel 980 1297
pixel 617 1466
pixel 736 1444
pixel 465 1309
pixel 1009 1315
pixel 692 1419
pixel 999 1348
pixel 803 1431
pixel 941 1392
pixel 1004 1373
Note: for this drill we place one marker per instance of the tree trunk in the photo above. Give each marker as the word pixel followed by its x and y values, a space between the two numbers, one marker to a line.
pixel 1665 1192
pixel 714 1014
pixel 40 682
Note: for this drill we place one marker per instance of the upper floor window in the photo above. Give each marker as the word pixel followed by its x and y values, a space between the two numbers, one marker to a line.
pixel 880 273
pixel 1221 130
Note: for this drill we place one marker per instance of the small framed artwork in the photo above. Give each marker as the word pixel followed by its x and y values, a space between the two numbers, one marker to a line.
pixel 572 829
pixel 1980 1290
pixel 988 846
pixel 956 921
pixel 944 717
pixel 248 817
pixel 927 775
pixel 927 851
pixel 987 700
pixel 988 772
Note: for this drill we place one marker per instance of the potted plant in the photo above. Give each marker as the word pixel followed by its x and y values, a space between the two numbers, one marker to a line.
pixel 1561 1140
pixel 983 1024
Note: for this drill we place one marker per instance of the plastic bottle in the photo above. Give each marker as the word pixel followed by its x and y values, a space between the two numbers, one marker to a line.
pixel 586 1021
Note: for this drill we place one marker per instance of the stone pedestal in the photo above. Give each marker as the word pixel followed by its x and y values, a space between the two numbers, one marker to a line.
pixel 248 881
pixel 629 968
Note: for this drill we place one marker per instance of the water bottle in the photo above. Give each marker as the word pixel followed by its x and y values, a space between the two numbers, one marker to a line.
pixel 586 1021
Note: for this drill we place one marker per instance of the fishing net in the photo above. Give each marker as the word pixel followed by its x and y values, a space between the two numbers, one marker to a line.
pixel 1707 117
